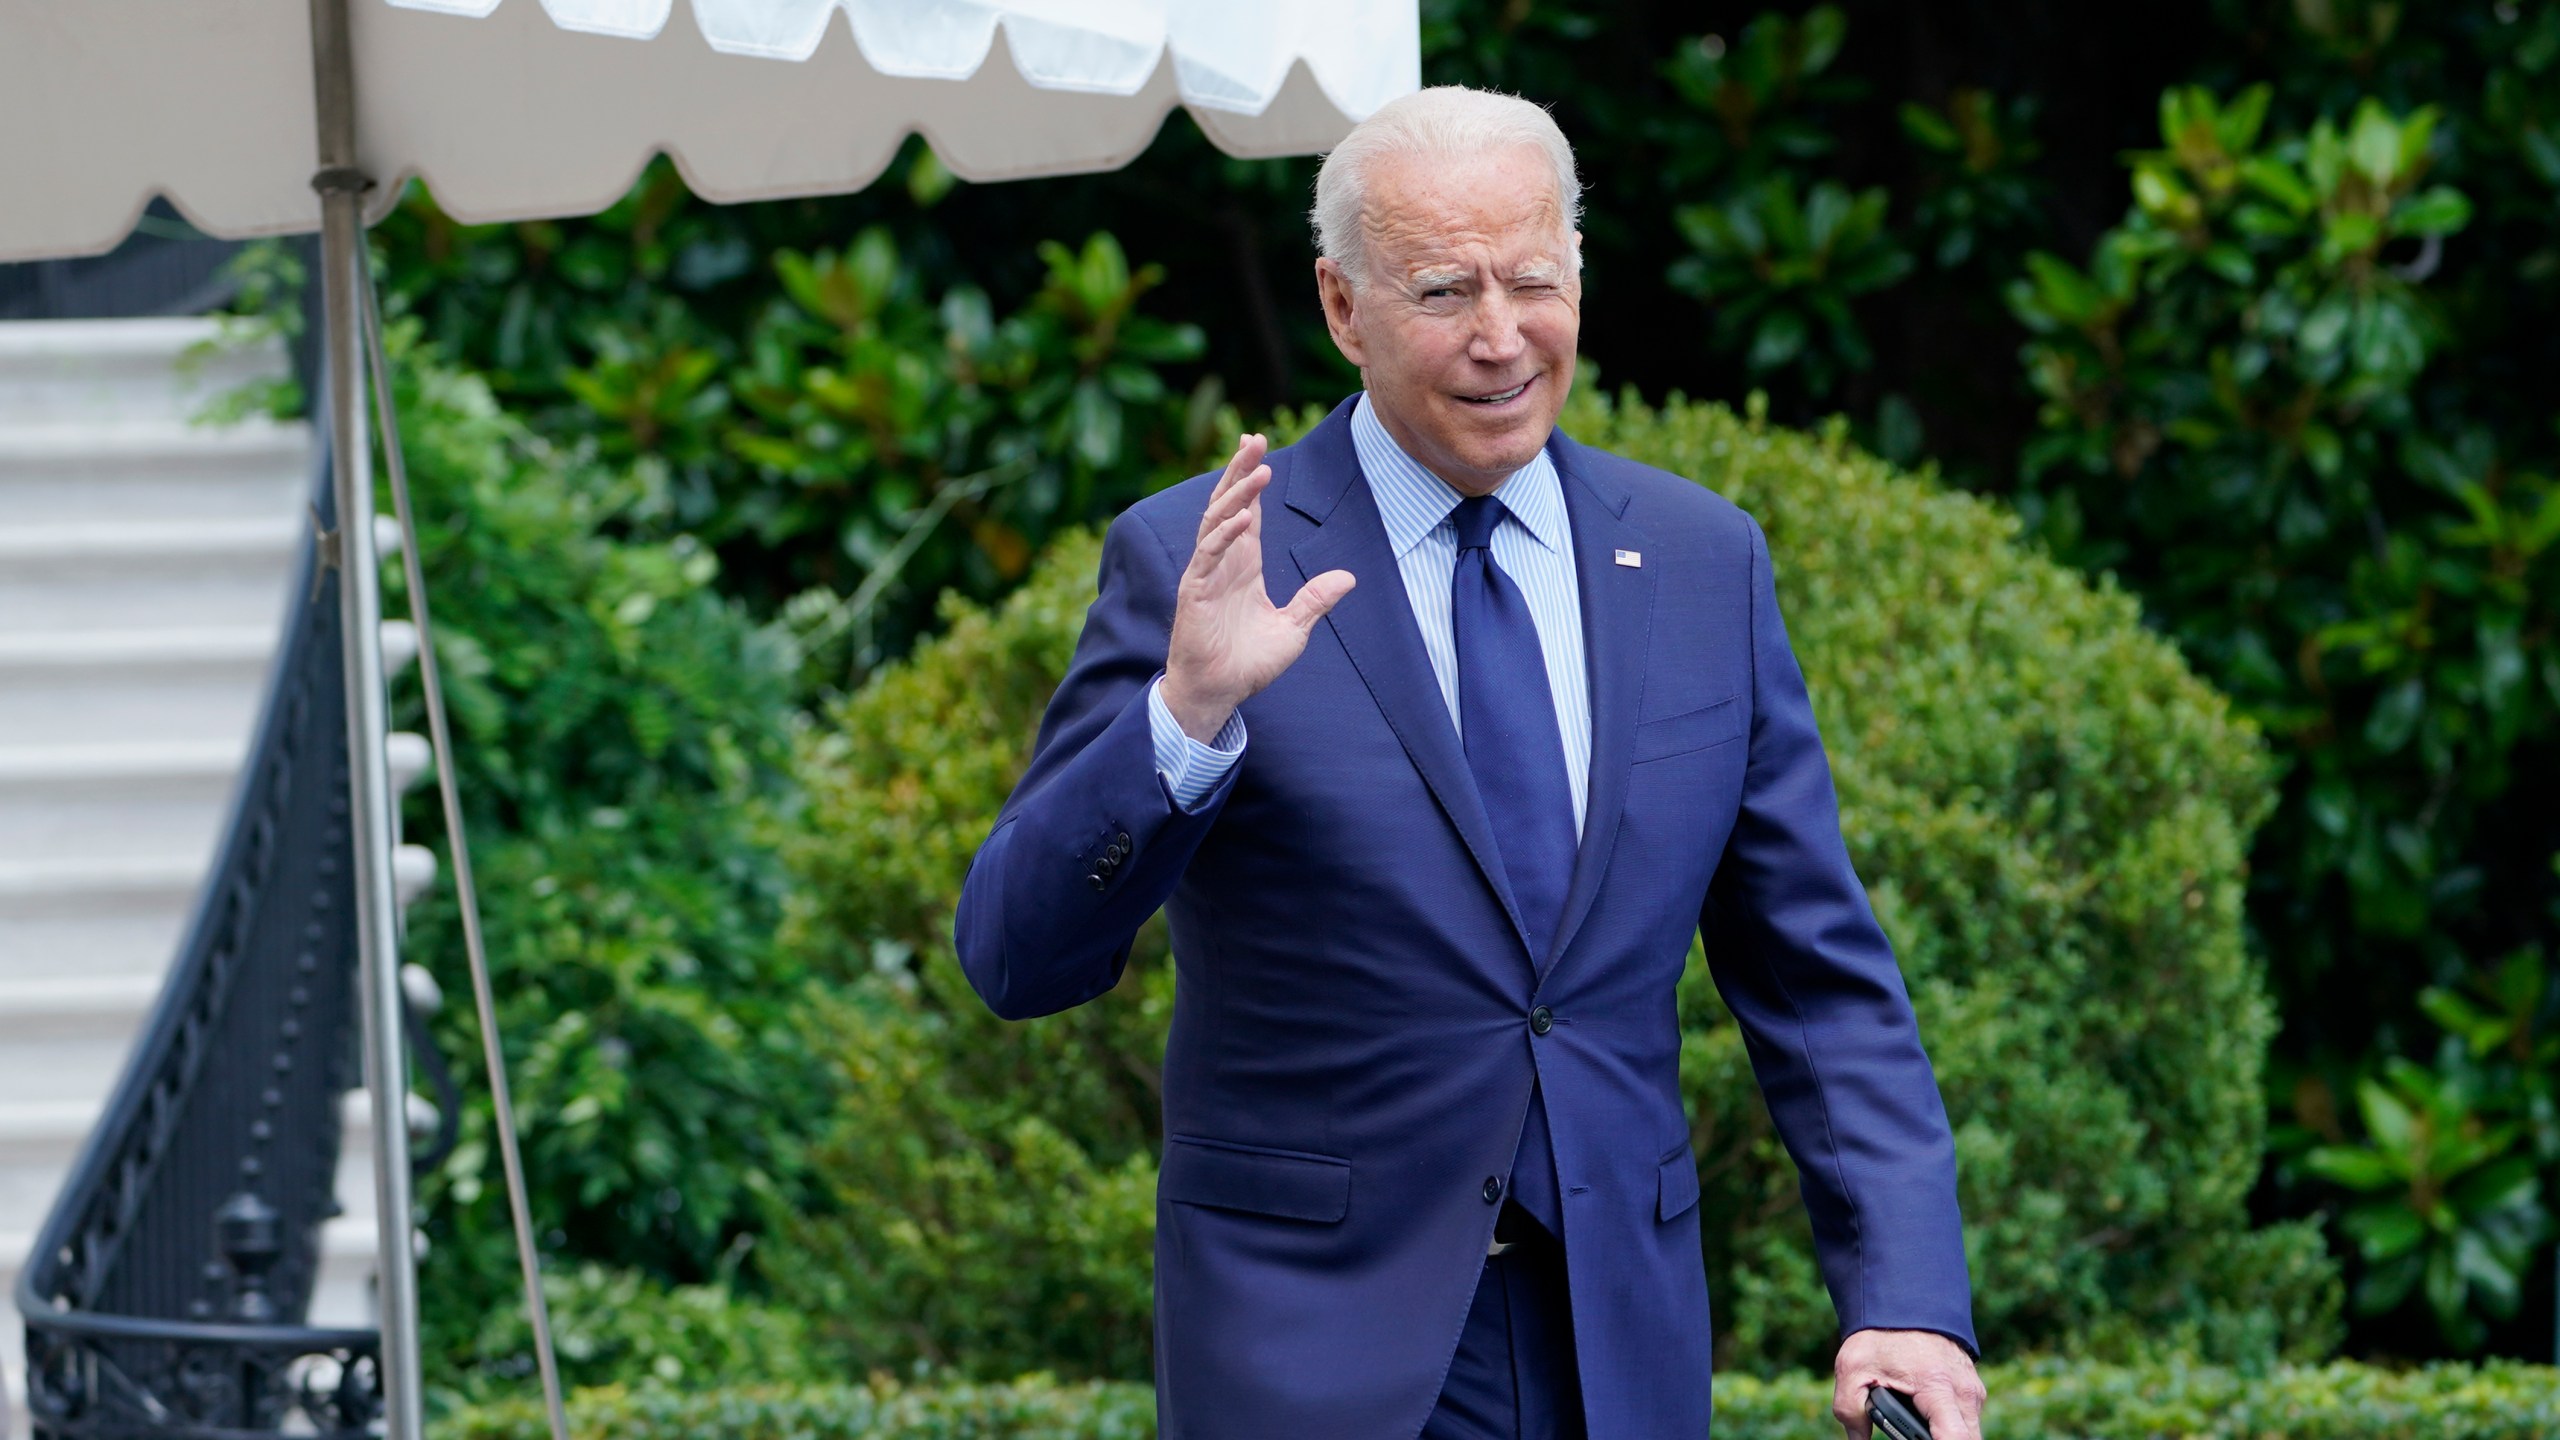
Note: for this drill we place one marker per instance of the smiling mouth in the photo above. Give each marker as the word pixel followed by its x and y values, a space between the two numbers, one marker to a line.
pixel 1500 397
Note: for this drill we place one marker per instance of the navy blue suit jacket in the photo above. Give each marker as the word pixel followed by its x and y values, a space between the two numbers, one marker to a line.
pixel 1351 1057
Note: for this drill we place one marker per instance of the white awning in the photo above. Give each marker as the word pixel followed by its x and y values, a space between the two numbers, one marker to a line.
pixel 521 109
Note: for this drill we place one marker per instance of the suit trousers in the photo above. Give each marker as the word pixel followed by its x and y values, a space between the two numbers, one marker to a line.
pixel 1513 1377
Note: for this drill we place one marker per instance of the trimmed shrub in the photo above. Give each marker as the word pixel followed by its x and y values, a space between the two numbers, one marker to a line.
pixel 2050 812
pixel 2050 1400
pixel 1034 1408
pixel 992 1186
pixel 2045 1401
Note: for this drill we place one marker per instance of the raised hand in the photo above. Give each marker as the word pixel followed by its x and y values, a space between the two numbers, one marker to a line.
pixel 1229 640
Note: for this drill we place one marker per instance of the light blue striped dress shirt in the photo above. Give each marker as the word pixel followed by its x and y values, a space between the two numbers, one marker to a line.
pixel 1534 546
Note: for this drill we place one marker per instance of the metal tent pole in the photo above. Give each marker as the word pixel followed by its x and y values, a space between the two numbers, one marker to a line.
pixel 386 1071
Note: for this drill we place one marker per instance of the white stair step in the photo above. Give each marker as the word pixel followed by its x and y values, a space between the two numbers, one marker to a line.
pixel 37 885
pixel 65 1037
pixel 42 936
pixel 117 916
pixel 170 798
pixel 160 470
pixel 146 686
pixel 122 687
pixel 38 1140
pixel 116 368
pixel 90 576
pixel 117 919
pixel 38 888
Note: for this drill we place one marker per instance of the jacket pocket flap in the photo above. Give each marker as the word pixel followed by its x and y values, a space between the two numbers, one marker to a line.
pixel 1693 730
pixel 1286 1183
pixel 1679 1184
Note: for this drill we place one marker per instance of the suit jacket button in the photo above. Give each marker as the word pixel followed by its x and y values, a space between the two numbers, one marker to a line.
pixel 1493 1189
pixel 1118 852
pixel 1122 841
pixel 1096 880
pixel 1542 1020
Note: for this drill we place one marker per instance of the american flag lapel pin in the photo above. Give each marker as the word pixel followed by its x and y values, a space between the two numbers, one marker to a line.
pixel 1632 559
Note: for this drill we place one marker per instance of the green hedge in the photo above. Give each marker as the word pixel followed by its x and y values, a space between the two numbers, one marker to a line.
pixel 2050 812
pixel 1034 1408
pixel 2045 1401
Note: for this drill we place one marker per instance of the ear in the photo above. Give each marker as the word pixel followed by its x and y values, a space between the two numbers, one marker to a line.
pixel 1341 310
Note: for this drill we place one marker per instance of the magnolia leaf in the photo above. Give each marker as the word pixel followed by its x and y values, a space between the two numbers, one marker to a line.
pixel 2373 143
pixel 2393 1125
pixel 2385 1230
pixel 2356 1167
pixel 2436 210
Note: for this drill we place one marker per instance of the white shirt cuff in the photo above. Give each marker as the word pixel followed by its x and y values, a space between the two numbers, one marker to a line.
pixel 1189 769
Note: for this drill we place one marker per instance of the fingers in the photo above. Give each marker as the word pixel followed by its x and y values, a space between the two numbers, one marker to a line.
pixel 1317 597
pixel 1236 498
pixel 1235 512
pixel 1214 543
pixel 1849 1407
pixel 1952 1406
pixel 1248 457
pixel 1953 1412
pixel 1936 1372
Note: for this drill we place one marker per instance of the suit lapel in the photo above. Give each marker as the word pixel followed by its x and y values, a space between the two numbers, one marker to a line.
pixel 1376 627
pixel 1617 624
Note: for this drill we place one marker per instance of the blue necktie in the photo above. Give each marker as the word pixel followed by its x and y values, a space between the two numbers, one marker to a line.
pixel 1508 719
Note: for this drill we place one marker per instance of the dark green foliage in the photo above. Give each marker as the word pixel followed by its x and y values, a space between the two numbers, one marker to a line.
pixel 2446 1178
pixel 2257 414
pixel 2230 414
pixel 1977 188
pixel 621 730
pixel 617 1327
pixel 853 433
pixel 2051 813
pixel 2028 1402
pixel 1779 272
pixel 1779 264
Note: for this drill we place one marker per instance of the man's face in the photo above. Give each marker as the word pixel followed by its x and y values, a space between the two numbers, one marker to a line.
pixel 1465 331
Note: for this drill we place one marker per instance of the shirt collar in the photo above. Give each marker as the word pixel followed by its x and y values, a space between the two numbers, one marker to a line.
pixel 1414 502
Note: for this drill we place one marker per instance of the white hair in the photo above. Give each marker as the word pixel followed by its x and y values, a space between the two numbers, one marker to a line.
pixel 1446 123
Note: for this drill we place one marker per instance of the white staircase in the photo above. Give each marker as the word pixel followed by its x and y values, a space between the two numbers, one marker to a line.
pixel 144 566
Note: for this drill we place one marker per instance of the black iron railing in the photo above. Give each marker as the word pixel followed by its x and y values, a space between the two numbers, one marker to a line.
pixel 165 1290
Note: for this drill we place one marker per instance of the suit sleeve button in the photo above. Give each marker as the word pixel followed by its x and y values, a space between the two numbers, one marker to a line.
pixel 1493 1189
pixel 1096 880
pixel 1542 1020
pixel 1122 840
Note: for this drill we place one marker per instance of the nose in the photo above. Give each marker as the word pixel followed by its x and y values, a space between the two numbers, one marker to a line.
pixel 1497 339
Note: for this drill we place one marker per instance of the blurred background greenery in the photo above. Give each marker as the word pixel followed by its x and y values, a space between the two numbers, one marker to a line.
pixel 2244 310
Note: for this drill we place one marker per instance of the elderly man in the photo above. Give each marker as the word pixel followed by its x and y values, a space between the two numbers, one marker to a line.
pixel 1434 848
